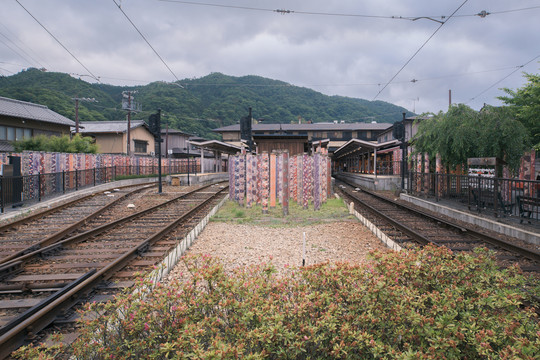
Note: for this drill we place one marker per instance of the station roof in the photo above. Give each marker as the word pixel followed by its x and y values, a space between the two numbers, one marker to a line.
pixel 217 146
pixel 357 144
pixel 308 127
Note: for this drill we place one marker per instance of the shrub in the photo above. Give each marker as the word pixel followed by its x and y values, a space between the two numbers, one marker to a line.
pixel 415 304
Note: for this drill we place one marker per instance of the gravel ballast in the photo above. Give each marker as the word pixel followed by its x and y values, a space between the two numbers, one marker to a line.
pixel 237 245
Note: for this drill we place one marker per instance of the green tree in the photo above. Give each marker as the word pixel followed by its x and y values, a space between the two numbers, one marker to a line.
pixel 78 144
pixel 525 103
pixel 462 133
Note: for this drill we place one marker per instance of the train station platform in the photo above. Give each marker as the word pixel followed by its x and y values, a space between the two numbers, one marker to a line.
pixel 370 181
pixel 509 225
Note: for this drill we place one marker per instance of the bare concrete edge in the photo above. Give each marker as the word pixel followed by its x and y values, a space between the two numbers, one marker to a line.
pixel 374 229
pixel 504 229
pixel 174 255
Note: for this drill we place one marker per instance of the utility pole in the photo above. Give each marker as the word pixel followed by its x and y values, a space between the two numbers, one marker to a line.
pixel 129 104
pixel 77 99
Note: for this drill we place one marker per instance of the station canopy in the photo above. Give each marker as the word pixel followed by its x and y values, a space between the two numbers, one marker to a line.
pixel 355 145
pixel 216 145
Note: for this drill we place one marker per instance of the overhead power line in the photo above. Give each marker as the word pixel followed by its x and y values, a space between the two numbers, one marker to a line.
pixel 58 41
pixel 146 40
pixel 482 13
pixel 419 49
pixel 504 78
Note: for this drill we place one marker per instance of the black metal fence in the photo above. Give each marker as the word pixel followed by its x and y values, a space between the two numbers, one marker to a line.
pixel 19 190
pixel 501 197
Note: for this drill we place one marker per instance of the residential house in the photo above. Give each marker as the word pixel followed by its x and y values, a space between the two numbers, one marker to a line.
pixel 21 120
pixel 112 136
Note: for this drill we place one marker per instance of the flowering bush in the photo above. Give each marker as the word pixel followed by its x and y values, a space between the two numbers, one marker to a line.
pixel 427 303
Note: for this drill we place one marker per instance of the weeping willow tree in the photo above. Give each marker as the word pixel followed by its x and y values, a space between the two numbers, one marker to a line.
pixel 463 133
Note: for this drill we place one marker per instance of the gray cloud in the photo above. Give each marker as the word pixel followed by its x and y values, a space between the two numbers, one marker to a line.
pixel 337 55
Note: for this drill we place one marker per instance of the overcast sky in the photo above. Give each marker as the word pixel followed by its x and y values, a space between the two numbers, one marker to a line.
pixel 349 47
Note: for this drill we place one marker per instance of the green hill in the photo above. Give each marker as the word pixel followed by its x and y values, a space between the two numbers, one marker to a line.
pixel 198 105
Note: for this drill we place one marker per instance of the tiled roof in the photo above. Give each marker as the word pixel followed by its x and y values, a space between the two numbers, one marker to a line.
pixel 109 126
pixel 30 111
pixel 309 127
pixel 6 146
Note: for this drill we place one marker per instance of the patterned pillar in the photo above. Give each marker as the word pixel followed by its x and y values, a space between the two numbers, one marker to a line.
pixel 427 183
pixel 439 174
pixel 418 173
pixel 237 178
pixel 316 182
pixel 300 184
pixel 306 180
pixel 249 182
pixel 329 177
pixel 285 190
pixel 258 164
pixel 231 177
pixel 265 181
pixel 279 179
pixel 242 176
pixel 273 180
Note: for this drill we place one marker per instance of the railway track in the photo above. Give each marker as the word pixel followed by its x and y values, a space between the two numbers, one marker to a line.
pixel 409 227
pixel 32 232
pixel 103 256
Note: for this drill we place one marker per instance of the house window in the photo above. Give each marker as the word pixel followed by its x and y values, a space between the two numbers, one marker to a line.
pixel 19 134
pixel 10 134
pixel 140 146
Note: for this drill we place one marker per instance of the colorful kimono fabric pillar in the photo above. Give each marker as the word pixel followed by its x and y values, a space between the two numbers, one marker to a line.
pixel 237 179
pixel 273 180
pixel 300 184
pixel 285 170
pixel 258 159
pixel 265 181
pixel 231 177
pixel 306 179
pixel 249 182
pixel 316 181
pixel 279 167
pixel 242 182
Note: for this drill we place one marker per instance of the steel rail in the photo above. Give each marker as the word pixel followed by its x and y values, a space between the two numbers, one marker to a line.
pixel 16 336
pixel 396 224
pixel 67 230
pixel 46 212
pixel 7 267
pixel 528 253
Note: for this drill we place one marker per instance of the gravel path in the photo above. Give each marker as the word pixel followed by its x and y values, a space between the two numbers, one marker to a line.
pixel 239 245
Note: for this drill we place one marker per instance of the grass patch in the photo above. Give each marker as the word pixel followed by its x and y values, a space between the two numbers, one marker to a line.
pixel 332 210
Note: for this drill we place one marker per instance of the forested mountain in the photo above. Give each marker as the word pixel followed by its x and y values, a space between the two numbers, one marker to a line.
pixel 198 105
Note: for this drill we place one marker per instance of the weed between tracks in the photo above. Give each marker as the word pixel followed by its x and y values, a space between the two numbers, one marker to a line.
pixel 333 210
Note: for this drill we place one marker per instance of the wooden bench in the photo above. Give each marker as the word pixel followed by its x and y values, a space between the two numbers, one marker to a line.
pixel 527 206
pixel 486 198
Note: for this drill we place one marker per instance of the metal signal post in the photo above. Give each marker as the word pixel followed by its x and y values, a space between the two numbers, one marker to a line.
pixel 155 128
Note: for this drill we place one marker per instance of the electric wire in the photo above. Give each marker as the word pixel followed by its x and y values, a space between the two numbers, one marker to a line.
pixel 146 40
pixel 14 51
pixel 504 78
pixel 33 60
pixel 419 49
pixel 391 17
pixel 58 41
